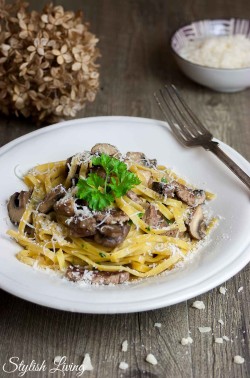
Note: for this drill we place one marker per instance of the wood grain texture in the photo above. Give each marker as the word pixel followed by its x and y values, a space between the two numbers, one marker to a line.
pixel 135 61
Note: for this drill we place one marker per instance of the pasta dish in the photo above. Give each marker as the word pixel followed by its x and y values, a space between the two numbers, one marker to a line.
pixel 107 218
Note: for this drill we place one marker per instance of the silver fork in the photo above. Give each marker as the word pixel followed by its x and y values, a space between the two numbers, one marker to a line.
pixel 189 130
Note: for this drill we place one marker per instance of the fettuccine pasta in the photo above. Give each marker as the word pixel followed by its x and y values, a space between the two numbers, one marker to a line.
pixel 141 233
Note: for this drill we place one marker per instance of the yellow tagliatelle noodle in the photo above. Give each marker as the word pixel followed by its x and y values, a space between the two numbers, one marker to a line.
pixel 146 251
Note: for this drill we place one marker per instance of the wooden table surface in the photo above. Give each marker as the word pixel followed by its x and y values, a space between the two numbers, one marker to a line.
pixel 135 61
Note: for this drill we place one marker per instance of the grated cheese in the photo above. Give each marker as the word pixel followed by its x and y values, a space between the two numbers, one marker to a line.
pixel 240 289
pixel 186 341
pixel 123 365
pixel 239 360
pixel 151 359
pixel 125 346
pixel 158 325
pixel 221 321
pixel 204 329
pixel 222 290
pixel 199 305
pixel 219 340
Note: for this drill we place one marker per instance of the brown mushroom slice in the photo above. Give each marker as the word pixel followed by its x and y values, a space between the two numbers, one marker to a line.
pixel 51 198
pixel 65 206
pixel 77 166
pixel 112 235
pixel 190 197
pixel 111 216
pixel 77 273
pixel 196 225
pixel 80 227
pixel 167 190
pixel 17 204
pixel 107 278
pixel 154 218
pixel 105 148
pixel 140 158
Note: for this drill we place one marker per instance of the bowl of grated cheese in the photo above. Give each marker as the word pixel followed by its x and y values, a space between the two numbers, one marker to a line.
pixel 215 53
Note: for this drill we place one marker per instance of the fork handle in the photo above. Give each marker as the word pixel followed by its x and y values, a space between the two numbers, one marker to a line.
pixel 214 147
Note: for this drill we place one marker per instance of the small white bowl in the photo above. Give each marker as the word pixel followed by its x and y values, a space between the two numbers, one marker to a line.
pixel 218 79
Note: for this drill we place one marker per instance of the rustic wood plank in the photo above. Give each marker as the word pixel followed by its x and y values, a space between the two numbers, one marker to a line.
pixel 135 61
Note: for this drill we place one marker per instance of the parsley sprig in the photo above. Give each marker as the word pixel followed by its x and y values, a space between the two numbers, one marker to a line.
pixel 100 192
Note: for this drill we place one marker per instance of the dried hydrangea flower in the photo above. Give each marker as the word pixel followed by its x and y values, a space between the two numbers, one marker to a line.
pixel 48 67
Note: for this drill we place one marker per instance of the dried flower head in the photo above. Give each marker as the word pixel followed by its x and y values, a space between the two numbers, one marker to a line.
pixel 48 64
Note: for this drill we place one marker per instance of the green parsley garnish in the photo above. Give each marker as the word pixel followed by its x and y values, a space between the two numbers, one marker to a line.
pixel 100 192
pixel 140 215
pixel 102 254
pixel 148 228
pixel 164 180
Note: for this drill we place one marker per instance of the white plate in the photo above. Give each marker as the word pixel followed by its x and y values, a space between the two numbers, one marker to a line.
pixel 227 253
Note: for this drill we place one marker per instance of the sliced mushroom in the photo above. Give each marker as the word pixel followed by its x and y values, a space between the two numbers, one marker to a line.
pixel 112 235
pixel 51 198
pixel 174 233
pixel 100 171
pixel 65 206
pixel 111 217
pixel 166 190
pixel 107 278
pixel 17 204
pixel 196 225
pixel 80 227
pixel 77 273
pixel 154 218
pixel 77 166
pixel 140 158
pixel 105 148
pixel 190 197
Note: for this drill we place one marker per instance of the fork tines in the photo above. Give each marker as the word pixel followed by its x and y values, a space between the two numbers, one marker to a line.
pixel 184 123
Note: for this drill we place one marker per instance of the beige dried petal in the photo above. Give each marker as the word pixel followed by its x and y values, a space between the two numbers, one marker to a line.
pixel 45 18
pixel 67 57
pixel 59 109
pixel 56 52
pixel 24 65
pixel 76 66
pixel 31 48
pixel 23 25
pixel 40 50
pixel 23 34
pixel 64 49
pixel 60 59
pixel 42 88
pixel 47 78
pixel 77 49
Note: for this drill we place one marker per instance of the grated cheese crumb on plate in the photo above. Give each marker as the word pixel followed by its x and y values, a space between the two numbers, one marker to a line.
pixel 158 325
pixel 239 360
pixel 151 359
pixel 221 321
pixel 240 289
pixel 87 363
pixel 219 340
pixel 186 341
pixel 204 329
pixel 199 304
pixel 123 365
pixel 125 346
pixel 222 290
pixel 225 338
